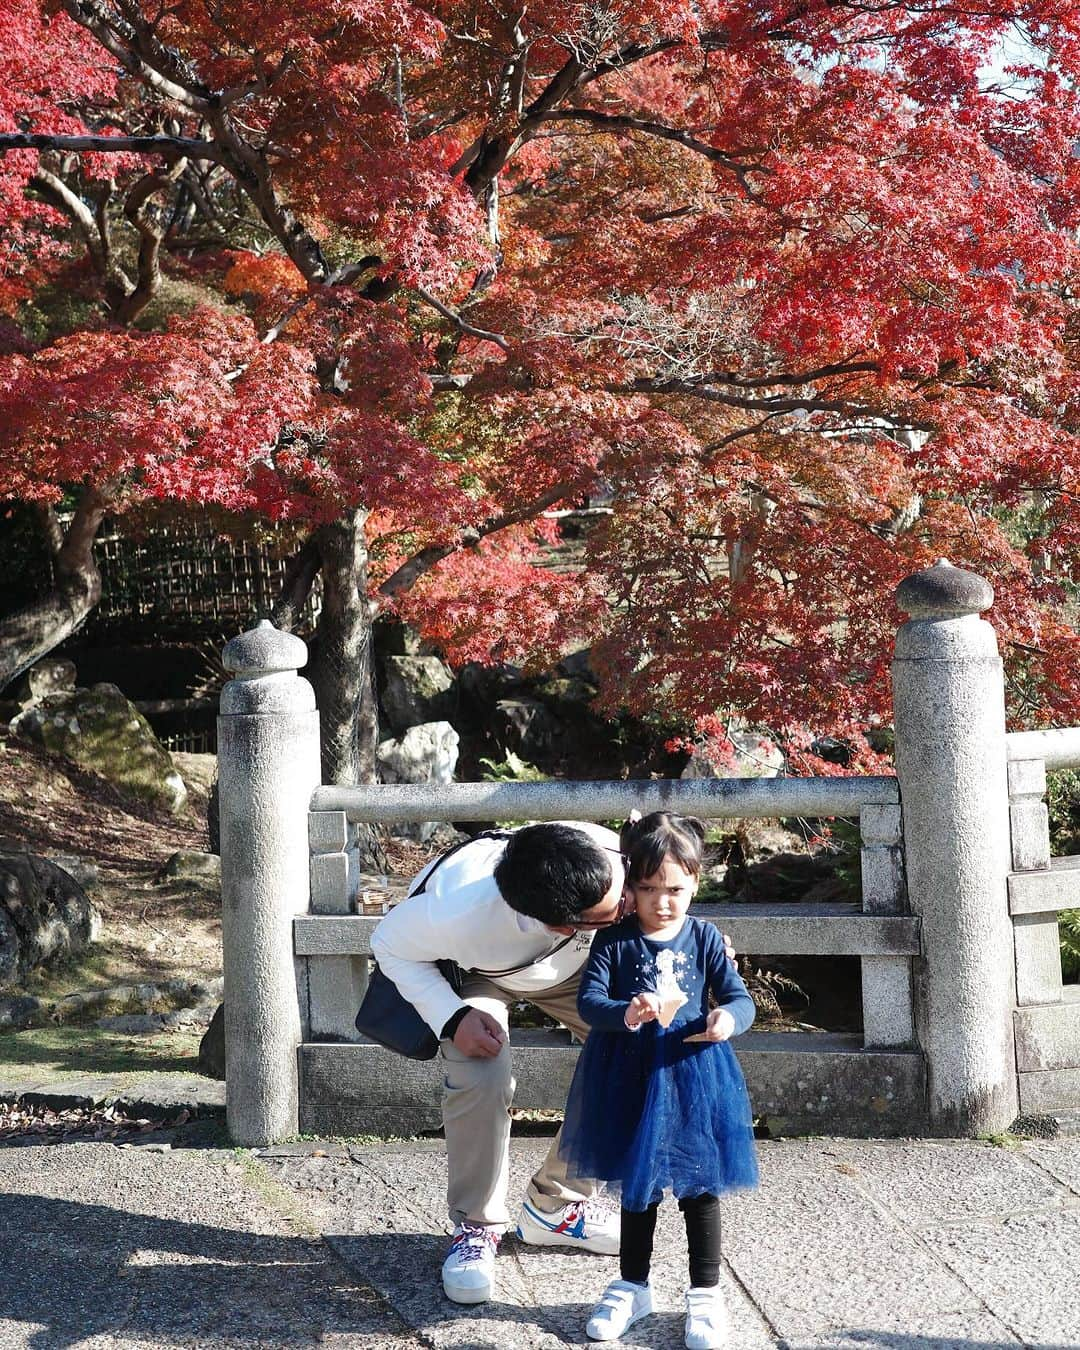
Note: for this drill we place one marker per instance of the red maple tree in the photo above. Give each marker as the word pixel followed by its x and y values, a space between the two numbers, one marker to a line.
pixel 793 281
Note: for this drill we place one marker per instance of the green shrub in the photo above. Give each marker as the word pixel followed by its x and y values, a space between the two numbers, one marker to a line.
pixel 1063 804
pixel 512 769
pixel 1069 932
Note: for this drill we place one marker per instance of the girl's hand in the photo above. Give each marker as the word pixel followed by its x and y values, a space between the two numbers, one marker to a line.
pixel 720 1025
pixel 643 1008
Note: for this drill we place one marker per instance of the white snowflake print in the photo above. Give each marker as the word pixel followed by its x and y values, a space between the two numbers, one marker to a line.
pixel 662 974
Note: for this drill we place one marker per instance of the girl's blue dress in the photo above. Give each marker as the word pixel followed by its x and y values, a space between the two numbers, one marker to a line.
pixel 648 1113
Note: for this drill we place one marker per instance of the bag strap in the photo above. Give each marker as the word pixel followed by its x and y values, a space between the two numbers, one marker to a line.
pixel 513 970
pixel 485 834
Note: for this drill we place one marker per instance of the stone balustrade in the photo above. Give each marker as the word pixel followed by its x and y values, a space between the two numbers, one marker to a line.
pixel 966 1024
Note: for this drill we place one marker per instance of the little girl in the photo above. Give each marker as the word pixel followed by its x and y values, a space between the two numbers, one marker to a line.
pixel 658 1101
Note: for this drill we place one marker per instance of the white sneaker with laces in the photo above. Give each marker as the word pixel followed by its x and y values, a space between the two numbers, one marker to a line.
pixel 469 1267
pixel 590 1225
pixel 706 1319
pixel 621 1305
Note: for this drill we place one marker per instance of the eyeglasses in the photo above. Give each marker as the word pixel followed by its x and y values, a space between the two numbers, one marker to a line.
pixel 589 924
pixel 620 912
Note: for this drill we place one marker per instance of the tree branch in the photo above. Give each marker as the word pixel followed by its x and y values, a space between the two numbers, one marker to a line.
pixel 696 389
pixel 459 322
pixel 51 527
pixel 300 574
pixel 53 188
pixel 792 378
pixel 138 210
pixel 92 16
pixel 139 52
pixel 171 147
pixel 616 122
pixel 93 226
pixel 409 572
pixel 251 171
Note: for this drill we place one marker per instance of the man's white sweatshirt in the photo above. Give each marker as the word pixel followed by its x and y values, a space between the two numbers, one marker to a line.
pixel 461 916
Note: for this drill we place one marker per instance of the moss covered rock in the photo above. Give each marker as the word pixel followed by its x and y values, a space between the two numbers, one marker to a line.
pixel 99 729
pixel 44 915
pixel 417 689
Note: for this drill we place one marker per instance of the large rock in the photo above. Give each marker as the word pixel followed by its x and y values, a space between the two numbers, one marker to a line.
pixel 52 675
pixel 567 696
pixel 526 726
pixel 394 638
pixel 480 688
pixel 417 689
pixel 84 870
pixel 578 666
pixel 425 754
pixel 212 1046
pixel 99 729
pixel 44 914
pixel 190 865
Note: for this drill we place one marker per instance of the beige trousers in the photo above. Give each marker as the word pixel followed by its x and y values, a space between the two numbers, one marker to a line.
pixel 477 1095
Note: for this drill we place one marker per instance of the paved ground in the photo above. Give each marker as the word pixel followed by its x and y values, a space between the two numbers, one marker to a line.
pixel 175 1240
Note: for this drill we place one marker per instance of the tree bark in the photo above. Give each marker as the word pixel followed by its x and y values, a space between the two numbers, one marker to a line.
pixel 343 673
pixel 33 632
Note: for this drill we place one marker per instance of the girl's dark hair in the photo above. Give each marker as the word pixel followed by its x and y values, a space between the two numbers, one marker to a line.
pixel 647 842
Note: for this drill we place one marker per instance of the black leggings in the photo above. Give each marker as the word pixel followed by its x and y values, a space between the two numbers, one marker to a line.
pixel 702 1215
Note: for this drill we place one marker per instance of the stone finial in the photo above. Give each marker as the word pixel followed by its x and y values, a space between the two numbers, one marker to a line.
pixel 264 650
pixel 943 592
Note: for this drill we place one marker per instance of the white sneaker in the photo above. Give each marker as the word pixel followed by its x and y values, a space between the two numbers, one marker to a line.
pixel 706 1319
pixel 621 1305
pixel 469 1267
pixel 589 1225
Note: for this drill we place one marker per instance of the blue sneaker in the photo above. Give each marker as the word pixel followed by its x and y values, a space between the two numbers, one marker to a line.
pixel 589 1225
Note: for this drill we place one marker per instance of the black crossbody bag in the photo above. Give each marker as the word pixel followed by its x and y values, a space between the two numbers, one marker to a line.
pixel 391 1020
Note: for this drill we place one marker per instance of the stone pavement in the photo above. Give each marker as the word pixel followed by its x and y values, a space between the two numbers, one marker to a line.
pixel 896 1244
pixel 176 1240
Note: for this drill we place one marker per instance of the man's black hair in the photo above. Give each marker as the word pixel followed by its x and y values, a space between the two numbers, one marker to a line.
pixel 553 873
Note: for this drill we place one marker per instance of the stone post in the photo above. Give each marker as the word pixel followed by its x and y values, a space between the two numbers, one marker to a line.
pixel 268 768
pixel 948 697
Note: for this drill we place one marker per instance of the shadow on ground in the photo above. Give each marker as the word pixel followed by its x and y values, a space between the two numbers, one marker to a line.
pixel 70 1271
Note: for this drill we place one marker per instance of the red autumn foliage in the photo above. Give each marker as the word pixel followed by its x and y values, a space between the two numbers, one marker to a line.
pixel 795 284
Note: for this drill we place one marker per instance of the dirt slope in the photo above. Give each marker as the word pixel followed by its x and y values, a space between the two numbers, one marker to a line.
pixel 153 930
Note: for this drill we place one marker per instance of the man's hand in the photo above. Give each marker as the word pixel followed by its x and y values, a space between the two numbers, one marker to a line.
pixel 643 1008
pixel 728 947
pixel 479 1035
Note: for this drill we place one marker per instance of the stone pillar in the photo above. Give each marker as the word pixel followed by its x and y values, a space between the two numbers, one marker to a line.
pixel 268 768
pixel 949 702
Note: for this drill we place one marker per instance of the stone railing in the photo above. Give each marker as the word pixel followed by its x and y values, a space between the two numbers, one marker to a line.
pixel 965 1022
pixel 1047 1017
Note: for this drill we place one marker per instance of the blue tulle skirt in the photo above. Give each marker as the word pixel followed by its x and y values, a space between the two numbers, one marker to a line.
pixel 648 1113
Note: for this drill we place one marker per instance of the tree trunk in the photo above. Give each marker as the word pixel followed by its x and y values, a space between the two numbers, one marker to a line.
pixel 33 632
pixel 299 578
pixel 343 673
pixel 743 549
